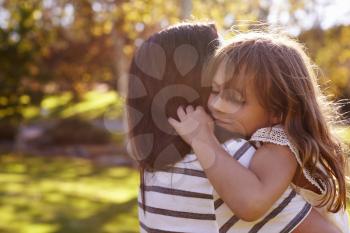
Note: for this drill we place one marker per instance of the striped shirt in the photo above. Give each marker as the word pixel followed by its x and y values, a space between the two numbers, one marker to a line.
pixel 183 200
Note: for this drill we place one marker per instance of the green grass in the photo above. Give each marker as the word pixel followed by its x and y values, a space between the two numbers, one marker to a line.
pixel 65 195
pixel 94 104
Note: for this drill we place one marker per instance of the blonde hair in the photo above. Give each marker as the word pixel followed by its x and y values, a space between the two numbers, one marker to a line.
pixel 286 84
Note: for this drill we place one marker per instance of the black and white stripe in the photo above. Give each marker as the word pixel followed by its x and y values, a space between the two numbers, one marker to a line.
pixel 181 199
pixel 273 213
pixel 178 214
pixel 297 219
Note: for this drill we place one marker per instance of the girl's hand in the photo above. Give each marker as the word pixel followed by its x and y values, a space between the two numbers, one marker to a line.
pixel 194 124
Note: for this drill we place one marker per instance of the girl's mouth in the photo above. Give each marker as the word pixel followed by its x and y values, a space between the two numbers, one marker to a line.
pixel 221 120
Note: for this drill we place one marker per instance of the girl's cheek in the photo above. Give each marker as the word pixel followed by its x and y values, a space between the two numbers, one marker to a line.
pixel 235 109
pixel 213 103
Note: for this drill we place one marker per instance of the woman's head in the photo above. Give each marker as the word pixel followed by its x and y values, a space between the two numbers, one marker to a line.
pixel 262 79
pixel 166 72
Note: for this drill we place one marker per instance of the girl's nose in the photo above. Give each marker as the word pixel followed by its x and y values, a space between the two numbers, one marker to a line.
pixel 217 104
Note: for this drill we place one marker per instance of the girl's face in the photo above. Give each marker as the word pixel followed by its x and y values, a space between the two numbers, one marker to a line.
pixel 243 113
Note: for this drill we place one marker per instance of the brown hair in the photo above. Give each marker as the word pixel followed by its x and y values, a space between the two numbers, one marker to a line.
pixel 166 72
pixel 286 85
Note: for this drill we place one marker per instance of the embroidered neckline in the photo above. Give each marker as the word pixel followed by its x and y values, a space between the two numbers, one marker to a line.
pixel 277 135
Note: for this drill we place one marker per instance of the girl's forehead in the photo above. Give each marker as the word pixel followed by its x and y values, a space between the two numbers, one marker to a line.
pixel 226 76
pixel 220 75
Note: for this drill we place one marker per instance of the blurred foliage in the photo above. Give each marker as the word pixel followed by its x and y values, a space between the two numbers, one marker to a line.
pixel 74 131
pixel 330 50
pixel 63 195
pixel 48 47
pixel 344 134
pixel 63 48
pixel 92 104
pixel 96 118
pixel 7 131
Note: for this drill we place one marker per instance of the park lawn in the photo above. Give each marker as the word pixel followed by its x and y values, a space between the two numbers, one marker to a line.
pixel 65 195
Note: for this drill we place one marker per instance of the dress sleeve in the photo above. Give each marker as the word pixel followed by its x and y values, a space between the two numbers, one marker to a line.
pixel 277 135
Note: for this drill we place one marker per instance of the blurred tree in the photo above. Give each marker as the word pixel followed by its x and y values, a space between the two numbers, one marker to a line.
pixel 330 49
pixel 186 9
pixel 51 46
pixel 20 59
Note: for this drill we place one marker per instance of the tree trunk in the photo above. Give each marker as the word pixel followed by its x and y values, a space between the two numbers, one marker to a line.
pixel 186 9
pixel 121 75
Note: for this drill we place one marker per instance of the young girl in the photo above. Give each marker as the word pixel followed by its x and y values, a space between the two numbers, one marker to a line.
pixel 265 89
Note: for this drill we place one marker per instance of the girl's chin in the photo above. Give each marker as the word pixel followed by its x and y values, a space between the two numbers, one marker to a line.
pixel 220 121
pixel 224 125
pixel 231 127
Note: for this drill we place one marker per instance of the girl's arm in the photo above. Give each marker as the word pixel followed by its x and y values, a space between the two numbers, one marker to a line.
pixel 249 193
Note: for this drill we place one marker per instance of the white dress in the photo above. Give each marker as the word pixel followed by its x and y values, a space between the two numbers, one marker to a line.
pixel 277 135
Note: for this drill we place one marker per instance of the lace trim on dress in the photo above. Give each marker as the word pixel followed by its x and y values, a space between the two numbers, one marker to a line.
pixel 276 135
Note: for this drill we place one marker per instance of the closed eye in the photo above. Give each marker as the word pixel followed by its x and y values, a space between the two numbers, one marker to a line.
pixel 239 101
pixel 234 96
pixel 215 92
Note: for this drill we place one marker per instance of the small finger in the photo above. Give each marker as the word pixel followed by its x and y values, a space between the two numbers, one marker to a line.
pixel 181 113
pixel 189 109
pixel 199 108
pixel 173 122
